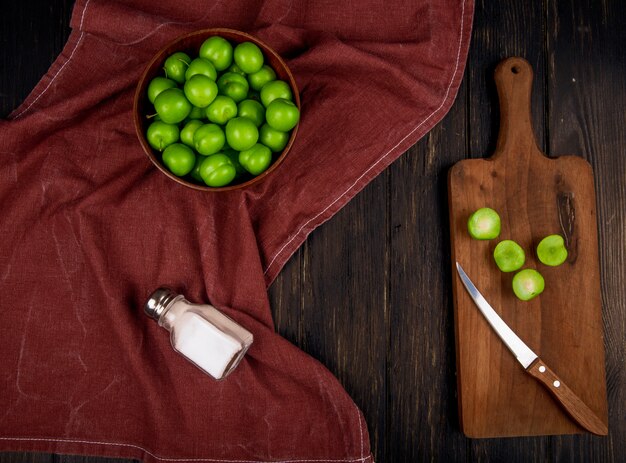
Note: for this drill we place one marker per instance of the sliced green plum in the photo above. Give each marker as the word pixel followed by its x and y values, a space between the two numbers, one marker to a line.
pixel 484 224
pixel 552 251
pixel 509 256
pixel 527 284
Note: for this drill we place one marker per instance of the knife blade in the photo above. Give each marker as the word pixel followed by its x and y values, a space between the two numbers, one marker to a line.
pixel 533 365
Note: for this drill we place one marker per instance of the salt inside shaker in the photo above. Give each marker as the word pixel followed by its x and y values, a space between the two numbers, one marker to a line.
pixel 206 337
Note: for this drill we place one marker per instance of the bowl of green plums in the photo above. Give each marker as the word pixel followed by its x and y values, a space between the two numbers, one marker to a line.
pixel 217 110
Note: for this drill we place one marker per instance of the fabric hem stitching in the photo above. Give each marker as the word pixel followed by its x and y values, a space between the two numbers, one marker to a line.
pixel 358 180
pixel 156 457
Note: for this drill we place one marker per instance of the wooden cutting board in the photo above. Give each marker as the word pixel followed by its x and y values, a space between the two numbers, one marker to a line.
pixel 535 196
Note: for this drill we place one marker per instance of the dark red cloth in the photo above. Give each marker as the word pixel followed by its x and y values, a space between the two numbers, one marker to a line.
pixel 89 228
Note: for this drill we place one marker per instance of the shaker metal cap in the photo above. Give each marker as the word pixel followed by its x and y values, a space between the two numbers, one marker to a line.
pixel 158 301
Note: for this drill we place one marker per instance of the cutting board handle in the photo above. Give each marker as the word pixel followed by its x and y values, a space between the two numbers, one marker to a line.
pixel 514 80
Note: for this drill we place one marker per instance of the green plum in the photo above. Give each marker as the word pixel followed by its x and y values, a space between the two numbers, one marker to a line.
pixel 234 158
pixel 552 251
pixel 256 159
pixel 195 172
pixel 249 57
pixel 484 224
pixel 272 138
pixel 241 133
pixel 176 65
pixel 157 85
pixel 527 284
pixel 172 106
pixel 221 110
pixel 250 113
pixel 236 69
pixel 160 135
pixel 208 139
pixel 218 51
pixel 179 159
pixel 188 131
pixel 233 85
pixel 196 113
pixel 217 170
pixel 203 67
pixel 253 110
pixel 200 90
pixel 282 115
pixel 509 256
pixel 273 90
pixel 264 75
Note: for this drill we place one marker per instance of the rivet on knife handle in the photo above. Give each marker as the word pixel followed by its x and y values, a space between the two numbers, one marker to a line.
pixel 570 401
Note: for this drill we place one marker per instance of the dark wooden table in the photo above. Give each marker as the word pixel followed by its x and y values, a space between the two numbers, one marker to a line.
pixel 369 293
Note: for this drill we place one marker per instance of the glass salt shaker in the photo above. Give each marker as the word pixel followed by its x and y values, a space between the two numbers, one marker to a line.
pixel 206 337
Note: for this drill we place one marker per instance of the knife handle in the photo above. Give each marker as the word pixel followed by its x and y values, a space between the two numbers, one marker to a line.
pixel 570 401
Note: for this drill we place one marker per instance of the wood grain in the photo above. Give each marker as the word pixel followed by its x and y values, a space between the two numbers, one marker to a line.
pixel 564 324
pixel 567 398
pixel 345 312
pixel 499 31
pixel 587 93
pixel 14 457
pixel 421 405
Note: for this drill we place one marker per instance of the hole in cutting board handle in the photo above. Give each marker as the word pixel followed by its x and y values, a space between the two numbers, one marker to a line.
pixel 514 77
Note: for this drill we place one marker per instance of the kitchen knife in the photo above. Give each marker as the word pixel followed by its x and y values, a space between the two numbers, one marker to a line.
pixel 533 365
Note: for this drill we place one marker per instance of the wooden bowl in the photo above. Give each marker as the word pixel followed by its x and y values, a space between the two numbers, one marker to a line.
pixel 190 44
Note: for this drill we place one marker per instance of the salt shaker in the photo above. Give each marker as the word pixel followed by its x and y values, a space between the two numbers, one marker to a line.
pixel 206 337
